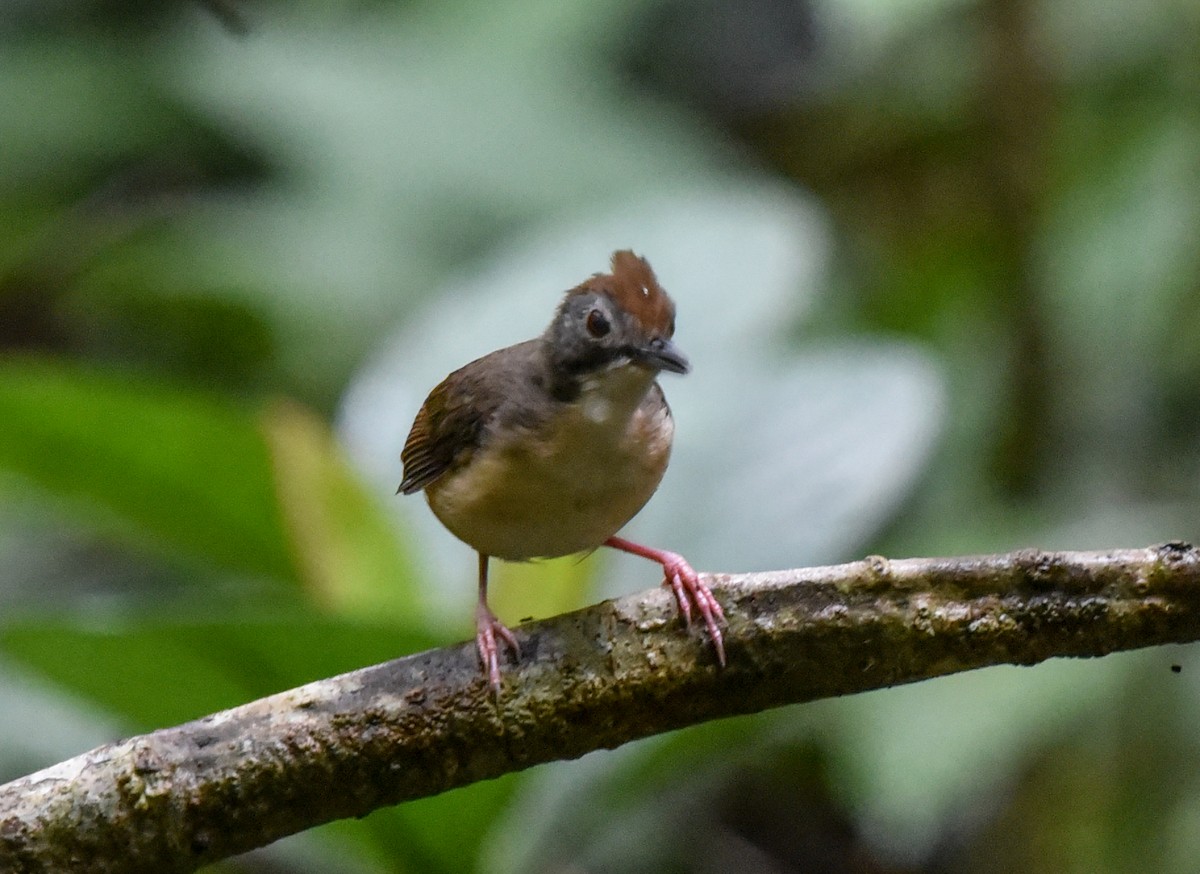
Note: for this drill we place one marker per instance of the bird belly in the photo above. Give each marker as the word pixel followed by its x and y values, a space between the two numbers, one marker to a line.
pixel 559 495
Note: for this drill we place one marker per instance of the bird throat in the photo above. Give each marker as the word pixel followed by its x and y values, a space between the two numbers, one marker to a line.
pixel 610 394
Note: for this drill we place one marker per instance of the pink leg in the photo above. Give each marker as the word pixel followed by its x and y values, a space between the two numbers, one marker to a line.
pixel 488 628
pixel 687 587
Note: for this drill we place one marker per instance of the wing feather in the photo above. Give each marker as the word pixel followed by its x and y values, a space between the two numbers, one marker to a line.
pixel 443 433
pixel 450 425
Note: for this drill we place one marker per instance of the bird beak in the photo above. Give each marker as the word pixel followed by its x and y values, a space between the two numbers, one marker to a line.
pixel 662 354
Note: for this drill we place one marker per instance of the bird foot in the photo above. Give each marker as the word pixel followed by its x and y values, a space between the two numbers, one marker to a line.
pixel 490 633
pixel 689 590
pixel 685 584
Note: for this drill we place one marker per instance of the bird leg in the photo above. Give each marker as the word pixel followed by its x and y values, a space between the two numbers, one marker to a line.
pixel 686 585
pixel 488 628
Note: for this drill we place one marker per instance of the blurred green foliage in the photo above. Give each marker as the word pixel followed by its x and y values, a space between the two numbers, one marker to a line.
pixel 186 472
pixel 935 262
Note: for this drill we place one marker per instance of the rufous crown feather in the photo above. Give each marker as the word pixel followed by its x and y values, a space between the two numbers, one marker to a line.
pixel 633 286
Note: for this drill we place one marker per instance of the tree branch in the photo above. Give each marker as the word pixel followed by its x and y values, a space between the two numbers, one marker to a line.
pixel 181 797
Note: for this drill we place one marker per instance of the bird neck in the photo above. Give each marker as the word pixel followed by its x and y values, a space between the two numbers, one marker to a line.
pixel 615 387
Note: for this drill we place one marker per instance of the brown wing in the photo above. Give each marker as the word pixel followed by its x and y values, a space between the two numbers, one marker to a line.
pixel 450 424
pixel 443 431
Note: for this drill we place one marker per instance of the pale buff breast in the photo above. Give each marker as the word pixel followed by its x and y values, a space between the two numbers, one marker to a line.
pixel 569 489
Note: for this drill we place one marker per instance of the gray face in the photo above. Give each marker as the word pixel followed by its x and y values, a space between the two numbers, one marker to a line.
pixel 591 333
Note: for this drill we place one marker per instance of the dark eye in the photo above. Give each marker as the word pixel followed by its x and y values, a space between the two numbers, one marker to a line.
pixel 597 325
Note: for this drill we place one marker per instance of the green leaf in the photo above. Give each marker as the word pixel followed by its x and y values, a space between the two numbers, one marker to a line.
pixel 347 548
pixel 443 834
pixel 537 589
pixel 177 471
pixel 157 673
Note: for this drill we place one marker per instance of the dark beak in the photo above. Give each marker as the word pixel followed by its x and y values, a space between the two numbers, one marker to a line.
pixel 662 354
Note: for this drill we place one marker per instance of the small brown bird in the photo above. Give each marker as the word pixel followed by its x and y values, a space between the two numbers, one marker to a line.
pixel 549 447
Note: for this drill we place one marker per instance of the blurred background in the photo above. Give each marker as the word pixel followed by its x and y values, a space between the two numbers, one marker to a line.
pixel 936 267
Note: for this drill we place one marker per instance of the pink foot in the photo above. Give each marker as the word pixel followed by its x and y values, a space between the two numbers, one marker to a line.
pixel 687 587
pixel 489 629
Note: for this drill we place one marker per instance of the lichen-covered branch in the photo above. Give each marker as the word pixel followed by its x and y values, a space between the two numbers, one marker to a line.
pixel 177 798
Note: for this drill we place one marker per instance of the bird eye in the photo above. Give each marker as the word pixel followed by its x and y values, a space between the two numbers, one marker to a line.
pixel 597 325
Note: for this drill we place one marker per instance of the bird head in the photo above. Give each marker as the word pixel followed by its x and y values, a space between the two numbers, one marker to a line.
pixel 617 319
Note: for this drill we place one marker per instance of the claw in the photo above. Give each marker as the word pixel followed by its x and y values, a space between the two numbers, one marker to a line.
pixel 673 582
pixel 489 628
pixel 687 587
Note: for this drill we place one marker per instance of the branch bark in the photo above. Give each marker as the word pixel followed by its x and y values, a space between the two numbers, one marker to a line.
pixel 176 799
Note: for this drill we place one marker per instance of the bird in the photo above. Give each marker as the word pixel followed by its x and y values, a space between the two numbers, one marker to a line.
pixel 549 447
